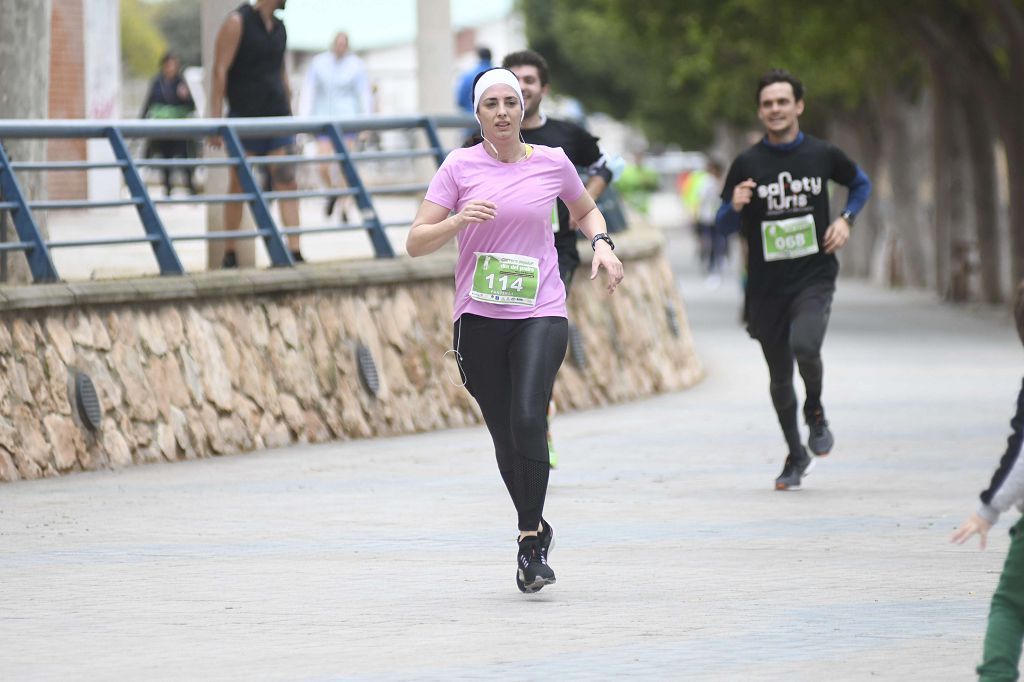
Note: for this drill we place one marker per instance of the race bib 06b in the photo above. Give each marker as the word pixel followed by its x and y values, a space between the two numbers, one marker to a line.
pixel 506 279
pixel 790 238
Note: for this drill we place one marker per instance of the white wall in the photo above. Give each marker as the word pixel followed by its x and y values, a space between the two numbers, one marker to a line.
pixel 102 20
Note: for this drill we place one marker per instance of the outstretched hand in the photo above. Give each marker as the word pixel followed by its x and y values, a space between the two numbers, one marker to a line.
pixel 973 525
pixel 604 258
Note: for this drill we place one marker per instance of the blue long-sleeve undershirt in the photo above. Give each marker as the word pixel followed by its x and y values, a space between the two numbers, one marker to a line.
pixel 860 190
pixel 727 221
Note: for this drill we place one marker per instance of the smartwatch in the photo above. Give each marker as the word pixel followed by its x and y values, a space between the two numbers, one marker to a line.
pixel 599 237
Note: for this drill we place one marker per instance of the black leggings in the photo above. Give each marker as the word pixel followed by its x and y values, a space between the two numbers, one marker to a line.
pixel 509 367
pixel 800 332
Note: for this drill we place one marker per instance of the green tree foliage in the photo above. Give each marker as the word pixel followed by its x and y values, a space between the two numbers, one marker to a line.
pixel 677 67
pixel 142 45
pixel 179 22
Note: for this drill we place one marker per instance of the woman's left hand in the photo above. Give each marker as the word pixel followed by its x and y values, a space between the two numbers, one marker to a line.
pixel 604 258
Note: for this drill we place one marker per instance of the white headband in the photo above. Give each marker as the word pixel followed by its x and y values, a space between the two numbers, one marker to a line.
pixel 497 77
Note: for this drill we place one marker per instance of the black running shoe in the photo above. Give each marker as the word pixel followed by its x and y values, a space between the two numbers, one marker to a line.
pixel 297 256
pixel 820 441
pixel 329 207
pixel 794 471
pixel 229 261
pixel 546 542
pixel 532 570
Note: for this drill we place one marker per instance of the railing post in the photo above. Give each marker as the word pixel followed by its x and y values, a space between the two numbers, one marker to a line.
pixel 3 239
pixel 435 140
pixel 276 249
pixel 163 249
pixel 39 262
pixel 381 243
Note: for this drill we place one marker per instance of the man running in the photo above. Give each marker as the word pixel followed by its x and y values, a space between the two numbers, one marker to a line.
pixel 580 146
pixel 776 193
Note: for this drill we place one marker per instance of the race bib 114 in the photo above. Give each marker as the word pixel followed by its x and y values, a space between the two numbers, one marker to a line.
pixel 506 279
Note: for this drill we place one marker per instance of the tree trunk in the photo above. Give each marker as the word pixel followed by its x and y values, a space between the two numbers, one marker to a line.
pixel 903 135
pixel 952 246
pixel 855 135
pixel 1014 143
pixel 980 144
pixel 24 93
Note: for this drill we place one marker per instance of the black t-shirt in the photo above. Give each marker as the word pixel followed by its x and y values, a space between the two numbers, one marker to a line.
pixel 255 85
pixel 582 150
pixel 791 183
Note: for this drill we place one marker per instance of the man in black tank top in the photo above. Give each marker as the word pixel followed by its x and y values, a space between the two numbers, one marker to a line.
pixel 249 67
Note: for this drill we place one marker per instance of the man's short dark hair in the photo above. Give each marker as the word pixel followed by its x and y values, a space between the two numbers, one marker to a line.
pixel 484 54
pixel 780 76
pixel 528 58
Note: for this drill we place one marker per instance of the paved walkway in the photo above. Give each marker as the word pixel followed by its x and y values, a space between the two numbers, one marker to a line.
pixel 392 559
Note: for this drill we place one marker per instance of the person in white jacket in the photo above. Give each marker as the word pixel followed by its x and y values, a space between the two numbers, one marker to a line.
pixel 1005 631
pixel 336 85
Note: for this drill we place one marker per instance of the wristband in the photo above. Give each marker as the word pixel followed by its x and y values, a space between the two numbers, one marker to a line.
pixel 848 217
pixel 601 237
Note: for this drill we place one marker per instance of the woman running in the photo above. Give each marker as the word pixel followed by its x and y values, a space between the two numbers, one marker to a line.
pixel 510 326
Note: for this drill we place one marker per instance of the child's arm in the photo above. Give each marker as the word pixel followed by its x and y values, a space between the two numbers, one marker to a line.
pixel 1006 487
pixel 973 524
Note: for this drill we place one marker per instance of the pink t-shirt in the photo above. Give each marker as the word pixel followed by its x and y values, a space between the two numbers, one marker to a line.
pixel 524 193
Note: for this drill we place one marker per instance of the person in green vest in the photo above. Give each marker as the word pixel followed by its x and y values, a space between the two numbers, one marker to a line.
pixel 636 184
pixel 169 97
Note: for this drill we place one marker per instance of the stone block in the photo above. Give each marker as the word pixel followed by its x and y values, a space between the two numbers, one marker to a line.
pixel 66 440
pixel 8 470
pixel 60 338
pixel 37 297
pixel 32 443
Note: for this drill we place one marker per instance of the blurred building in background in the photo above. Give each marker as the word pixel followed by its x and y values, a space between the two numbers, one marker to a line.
pixel 85 82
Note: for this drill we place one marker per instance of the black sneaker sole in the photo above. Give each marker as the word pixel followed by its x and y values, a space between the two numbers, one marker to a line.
pixel 535 586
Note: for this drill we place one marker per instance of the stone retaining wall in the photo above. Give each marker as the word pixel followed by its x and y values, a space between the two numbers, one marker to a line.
pixel 227 362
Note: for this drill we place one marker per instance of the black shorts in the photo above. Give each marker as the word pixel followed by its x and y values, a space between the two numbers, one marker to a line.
pixel 768 317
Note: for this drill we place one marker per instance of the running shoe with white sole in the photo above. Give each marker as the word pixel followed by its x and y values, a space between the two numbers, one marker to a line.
pixel 546 538
pixel 532 570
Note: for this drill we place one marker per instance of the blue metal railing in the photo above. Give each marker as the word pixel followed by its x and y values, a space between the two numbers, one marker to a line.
pixel 36 248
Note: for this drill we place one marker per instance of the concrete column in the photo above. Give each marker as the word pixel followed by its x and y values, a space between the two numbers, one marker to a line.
pixel 435 57
pixel 102 19
pixel 435 69
pixel 24 88
pixel 212 15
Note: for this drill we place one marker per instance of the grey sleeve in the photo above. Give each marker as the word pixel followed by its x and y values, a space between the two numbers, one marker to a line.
pixel 1007 486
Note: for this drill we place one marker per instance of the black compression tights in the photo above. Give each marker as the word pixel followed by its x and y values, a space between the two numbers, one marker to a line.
pixel 510 367
pixel 803 343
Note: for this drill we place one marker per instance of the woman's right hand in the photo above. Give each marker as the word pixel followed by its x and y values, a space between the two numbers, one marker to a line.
pixel 477 211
